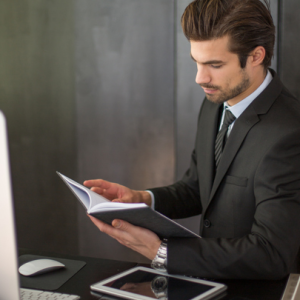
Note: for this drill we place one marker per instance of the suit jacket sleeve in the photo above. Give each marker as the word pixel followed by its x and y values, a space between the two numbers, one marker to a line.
pixel 181 199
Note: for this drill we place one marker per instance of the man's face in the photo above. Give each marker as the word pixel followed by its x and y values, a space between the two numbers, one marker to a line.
pixel 219 72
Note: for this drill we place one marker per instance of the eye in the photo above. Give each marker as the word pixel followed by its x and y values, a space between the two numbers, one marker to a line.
pixel 216 66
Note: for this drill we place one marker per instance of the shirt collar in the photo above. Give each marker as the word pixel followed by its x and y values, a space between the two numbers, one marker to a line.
pixel 239 108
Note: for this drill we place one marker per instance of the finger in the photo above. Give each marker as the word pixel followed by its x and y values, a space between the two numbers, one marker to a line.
pixel 98 190
pixel 123 200
pixel 97 183
pixel 108 229
pixel 92 182
pixel 119 230
pixel 104 193
pixel 120 201
pixel 101 225
pixel 124 226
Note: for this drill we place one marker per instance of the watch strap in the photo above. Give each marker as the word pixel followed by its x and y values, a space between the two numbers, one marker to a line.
pixel 160 260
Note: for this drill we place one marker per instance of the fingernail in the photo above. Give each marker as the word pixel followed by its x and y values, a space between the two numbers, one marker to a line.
pixel 117 224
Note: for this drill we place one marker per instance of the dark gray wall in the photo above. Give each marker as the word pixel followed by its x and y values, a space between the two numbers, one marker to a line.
pixel 102 89
pixel 37 96
pixel 124 97
pixel 274 5
pixel 188 99
pixel 289 45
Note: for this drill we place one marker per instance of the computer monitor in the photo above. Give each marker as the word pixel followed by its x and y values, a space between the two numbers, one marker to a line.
pixel 9 279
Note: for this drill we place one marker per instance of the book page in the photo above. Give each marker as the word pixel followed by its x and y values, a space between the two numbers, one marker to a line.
pixel 87 197
pixel 93 201
pixel 114 206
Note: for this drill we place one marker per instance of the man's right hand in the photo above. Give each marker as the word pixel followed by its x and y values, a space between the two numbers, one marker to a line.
pixel 117 193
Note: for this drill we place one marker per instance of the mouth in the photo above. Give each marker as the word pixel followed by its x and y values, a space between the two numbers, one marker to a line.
pixel 210 90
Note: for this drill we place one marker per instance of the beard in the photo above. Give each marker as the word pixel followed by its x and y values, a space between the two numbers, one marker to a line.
pixel 229 93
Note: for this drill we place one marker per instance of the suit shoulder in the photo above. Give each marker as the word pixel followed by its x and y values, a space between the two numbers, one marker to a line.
pixel 289 97
pixel 288 106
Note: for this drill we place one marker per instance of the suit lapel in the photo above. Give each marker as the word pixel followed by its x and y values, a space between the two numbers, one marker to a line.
pixel 243 124
pixel 233 144
pixel 208 128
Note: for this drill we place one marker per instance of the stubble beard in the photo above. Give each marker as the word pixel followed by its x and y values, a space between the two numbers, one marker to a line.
pixel 229 94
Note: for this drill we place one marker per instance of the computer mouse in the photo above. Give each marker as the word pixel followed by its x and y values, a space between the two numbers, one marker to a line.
pixel 40 266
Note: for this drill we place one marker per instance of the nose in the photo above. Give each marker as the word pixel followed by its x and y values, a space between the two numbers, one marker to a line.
pixel 202 75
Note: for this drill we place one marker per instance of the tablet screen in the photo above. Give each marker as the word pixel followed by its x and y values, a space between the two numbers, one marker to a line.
pixel 153 285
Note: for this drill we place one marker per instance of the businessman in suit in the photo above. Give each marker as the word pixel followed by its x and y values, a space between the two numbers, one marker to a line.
pixel 244 175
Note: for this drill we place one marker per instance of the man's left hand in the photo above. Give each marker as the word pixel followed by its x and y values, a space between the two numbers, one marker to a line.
pixel 136 238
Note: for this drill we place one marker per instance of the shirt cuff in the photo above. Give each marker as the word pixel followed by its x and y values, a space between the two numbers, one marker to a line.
pixel 152 199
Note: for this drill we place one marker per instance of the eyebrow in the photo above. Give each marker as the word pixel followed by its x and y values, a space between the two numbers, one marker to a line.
pixel 209 62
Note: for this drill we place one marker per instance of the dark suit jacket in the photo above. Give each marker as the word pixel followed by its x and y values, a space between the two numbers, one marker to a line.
pixel 251 206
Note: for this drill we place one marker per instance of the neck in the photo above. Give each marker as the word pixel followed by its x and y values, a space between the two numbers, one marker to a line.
pixel 255 80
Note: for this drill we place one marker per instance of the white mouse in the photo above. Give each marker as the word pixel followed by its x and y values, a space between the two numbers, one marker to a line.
pixel 40 266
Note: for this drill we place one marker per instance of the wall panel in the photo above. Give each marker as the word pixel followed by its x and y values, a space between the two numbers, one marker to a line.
pixel 290 45
pixel 189 97
pixel 274 5
pixel 125 101
pixel 36 94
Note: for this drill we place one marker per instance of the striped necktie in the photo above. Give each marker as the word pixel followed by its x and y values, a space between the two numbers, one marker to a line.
pixel 222 135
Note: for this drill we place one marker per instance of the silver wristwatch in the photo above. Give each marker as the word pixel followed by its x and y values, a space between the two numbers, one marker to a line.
pixel 160 260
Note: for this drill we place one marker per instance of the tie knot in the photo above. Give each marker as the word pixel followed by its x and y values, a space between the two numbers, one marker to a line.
pixel 228 119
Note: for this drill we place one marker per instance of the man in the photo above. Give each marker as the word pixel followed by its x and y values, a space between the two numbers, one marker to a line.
pixel 244 176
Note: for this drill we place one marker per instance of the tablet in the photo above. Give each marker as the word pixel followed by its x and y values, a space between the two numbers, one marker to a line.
pixel 147 284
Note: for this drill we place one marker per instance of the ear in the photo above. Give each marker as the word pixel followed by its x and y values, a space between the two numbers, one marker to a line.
pixel 257 56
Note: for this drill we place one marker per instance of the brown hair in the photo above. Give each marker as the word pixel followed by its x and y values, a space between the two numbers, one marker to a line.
pixel 248 23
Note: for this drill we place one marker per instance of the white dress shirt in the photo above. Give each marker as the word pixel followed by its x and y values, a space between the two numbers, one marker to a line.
pixel 239 108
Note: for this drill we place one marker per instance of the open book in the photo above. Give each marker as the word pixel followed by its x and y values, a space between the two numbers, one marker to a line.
pixel 138 214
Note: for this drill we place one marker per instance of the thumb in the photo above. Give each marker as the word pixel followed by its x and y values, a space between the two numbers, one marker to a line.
pixel 119 224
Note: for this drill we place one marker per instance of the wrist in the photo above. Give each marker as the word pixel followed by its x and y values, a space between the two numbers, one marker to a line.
pixel 145 197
